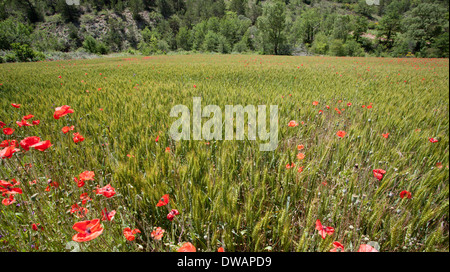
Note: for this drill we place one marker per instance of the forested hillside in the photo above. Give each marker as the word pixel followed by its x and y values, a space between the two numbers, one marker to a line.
pixel 35 30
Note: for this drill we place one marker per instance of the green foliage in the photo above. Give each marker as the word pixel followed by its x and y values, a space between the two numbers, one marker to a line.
pixel 93 46
pixel 24 52
pixel 13 31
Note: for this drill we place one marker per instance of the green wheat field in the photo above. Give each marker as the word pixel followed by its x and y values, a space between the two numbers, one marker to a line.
pixel 229 195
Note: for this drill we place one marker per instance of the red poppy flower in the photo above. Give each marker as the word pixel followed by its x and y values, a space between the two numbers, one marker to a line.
pixel 379 173
pixel 130 156
pixel 15 105
pixel 341 133
pixel 29 141
pixel 80 212
pixel 7 188
pixel 62 111
pixel 129 234
pixel 439 165
pixel 85 198
pixel 338 247
pixel 29 116
pixel 8 152
pixel 2 124
pixel 323 231
pixel 42 146
pixel 321 111
pixel 7 143
pixel 158 233
pixel 315 103
pixel 300 147
pixel 35 227
pixel 87 230
pixel 67 129
pixel 8 131
pixel 157 138
pixel 77 137
pixel 168 149
pixel 300 169
pixel 369 107
pixel 108 216
pixel 107 191
pixel 51 183
pixel 36 122
pixel 293 123
pixel 349 104
pixel 328 107
pixel 8 201
pixel 187 247
pixel 80 182
pixel 366 248
pixel 87 175
pixel 406 194
pixel 171 215
pixel 289 166
pixel 300 156
pixel 220 249
pixel 386 135
pixel 23 123
pixel 433 140
pixel 163 201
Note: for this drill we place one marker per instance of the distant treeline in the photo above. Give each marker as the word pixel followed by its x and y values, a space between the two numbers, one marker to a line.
pixel 390 28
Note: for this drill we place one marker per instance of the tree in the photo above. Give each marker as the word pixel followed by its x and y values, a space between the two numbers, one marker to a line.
pixel 272 24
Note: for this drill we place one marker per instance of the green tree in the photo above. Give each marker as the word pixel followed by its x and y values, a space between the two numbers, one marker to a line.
pixel 272 24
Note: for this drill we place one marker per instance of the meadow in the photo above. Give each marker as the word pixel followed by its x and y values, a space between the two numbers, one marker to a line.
pixel 362 147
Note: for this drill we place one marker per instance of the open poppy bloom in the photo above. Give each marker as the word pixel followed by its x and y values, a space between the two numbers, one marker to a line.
pixel 172 214
pixel 67 129
pixel 341 133
pixel 8 152
pixel 220 249
pixel 300 169
pixel 77 137
pixel 42 146
pixel 80 182
pixel 163 201
pixel 15 105
pixel 35 227
pixel 107 191
pixel 80 212
pixel 157 139
pixel 379 173
pixel 300 156
pixel 8 201
pixel 87 230
pixel 29 116
pixel 406 194
pixel 323 231
pixel 315 103
pixel 108 216
pixel 158 233
pixel 293 124
pixel 386 135
pixel 87 175
pixel 129 234
pixel 300 147
pixel 338 247
pixel 36 122
pixel 167 149
pixel 7 143
pixel 439 165
pixel 433 140
pixel 29 141
pixel 7 188
pixel 366 248
pixel 62 111
pixel 23 123
pixel 2 124
pixel 51 183
pixel 187 247
pixel 8 131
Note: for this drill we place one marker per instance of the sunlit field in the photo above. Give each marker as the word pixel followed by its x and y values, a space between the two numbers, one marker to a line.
pixel 362 156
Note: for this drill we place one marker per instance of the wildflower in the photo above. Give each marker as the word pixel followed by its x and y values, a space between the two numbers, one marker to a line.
pixel 187 247
pixel 406 194
pixel 129 234
pixel 8 131
pixel 341 133
pixel 158 233
pixel 67 129
pixel 289 166
pixel 80 212
pixel 433 140
pixel 8 152
pixel 163 201
pixel 323 231
pixel 87 230
pixel 221 249
pixel 8 201
pixel 85 198
pixel 15 105
pixel 366 248
pixel 293 124
pixel 300 156
pixel 29 141
pixel 171 215
pixel 62 111
pixel 338 247
pixel 77 137
pixel 386 135
pixel 300 147
pixel 42 146
pixel 315 103
pixel 108 191
pixel 379 173
pixel 108 215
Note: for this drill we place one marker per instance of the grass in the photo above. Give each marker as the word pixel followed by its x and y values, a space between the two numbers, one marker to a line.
pixel 230 194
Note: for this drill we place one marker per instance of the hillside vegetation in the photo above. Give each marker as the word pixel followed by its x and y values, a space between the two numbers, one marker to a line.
pixel 35 30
